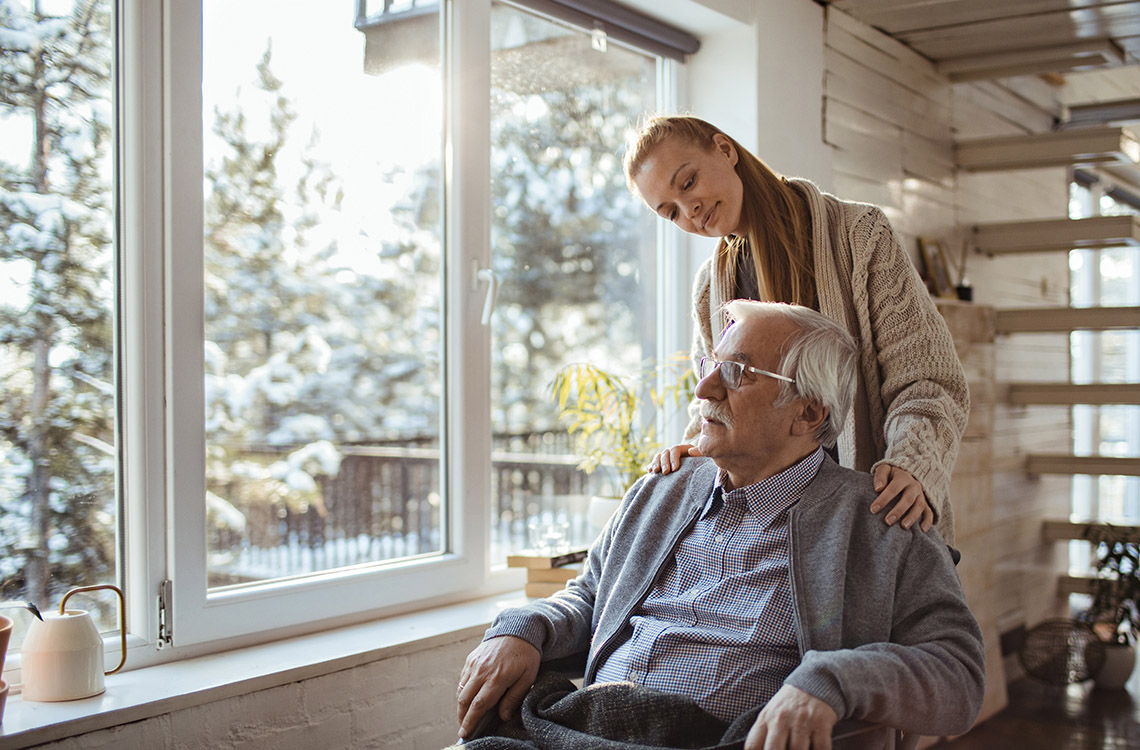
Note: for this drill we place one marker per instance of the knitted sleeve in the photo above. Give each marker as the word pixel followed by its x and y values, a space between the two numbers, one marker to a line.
pixel 922 385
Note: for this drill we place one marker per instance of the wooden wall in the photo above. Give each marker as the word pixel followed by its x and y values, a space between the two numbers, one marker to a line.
pixel 892 122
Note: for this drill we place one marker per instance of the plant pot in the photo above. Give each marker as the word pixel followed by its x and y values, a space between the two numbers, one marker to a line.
pixel 5 634
pixel 1119 659
pixel 598 512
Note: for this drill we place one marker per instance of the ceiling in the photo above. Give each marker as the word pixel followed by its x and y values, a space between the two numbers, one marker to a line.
pixel 972 39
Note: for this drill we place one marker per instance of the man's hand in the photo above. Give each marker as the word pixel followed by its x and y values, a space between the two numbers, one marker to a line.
pixel 500 671
pixel 892 482
pixel 669 460
pixel 792 720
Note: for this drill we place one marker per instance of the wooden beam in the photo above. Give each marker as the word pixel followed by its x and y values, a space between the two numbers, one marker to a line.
pixel 1061 319
pixel 1083 146
pixel 1048 235
pixel 1115 112
pixel 1095 53
pixel 1067 584
pixel 1042 463
pixel 1068 394
pixel 1055 530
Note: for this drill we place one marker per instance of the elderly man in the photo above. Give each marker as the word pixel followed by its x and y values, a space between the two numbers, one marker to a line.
pixel 754 579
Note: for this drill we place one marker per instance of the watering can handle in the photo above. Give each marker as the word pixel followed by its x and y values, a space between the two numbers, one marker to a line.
pixel 122 616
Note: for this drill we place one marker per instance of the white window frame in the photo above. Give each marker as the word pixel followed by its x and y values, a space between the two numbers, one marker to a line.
pixel 161 231
pixel 1085 500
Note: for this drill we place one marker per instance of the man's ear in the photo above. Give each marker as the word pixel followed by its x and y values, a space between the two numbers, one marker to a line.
pixel 811 416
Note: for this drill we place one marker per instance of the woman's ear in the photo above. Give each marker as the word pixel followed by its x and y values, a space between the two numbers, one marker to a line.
pixel 723 144
pixel 812 415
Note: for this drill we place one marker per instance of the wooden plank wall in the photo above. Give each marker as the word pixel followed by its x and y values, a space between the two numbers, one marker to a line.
pixel 892 122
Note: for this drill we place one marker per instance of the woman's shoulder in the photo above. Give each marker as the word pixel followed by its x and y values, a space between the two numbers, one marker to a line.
pixel 840 214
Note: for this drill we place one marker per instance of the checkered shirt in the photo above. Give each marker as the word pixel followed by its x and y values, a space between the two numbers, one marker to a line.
pixel 719 625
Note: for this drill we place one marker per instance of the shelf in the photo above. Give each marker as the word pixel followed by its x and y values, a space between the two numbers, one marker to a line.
pixel 1039 463
pixel 1061 319
pixel 1077 147
pixel 1068 394
pixel 1057 234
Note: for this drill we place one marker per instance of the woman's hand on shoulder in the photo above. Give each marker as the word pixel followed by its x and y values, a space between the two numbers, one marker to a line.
pixel 669 460
pixel 910 504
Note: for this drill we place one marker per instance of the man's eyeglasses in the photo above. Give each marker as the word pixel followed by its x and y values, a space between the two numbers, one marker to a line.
pixel 731 372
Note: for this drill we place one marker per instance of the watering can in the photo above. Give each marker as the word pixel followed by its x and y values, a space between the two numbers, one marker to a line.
pixel 62 655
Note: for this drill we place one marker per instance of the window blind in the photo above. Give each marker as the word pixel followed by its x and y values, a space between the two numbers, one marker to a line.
pixel 619 23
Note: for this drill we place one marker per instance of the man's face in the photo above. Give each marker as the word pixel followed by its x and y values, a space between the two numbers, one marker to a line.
pixel 740 428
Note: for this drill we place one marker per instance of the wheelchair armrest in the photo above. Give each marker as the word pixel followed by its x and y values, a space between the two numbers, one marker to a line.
pixel 851 728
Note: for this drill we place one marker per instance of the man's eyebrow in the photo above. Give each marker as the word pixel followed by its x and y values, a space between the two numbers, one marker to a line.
pixel 734 356
pixel 672 182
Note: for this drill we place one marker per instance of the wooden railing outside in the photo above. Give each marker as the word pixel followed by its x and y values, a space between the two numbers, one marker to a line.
pixel 384 503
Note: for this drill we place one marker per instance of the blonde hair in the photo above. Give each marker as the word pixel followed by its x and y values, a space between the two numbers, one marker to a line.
pixel 773 214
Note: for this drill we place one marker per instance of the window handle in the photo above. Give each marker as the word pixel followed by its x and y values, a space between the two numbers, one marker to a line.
pixel 492 279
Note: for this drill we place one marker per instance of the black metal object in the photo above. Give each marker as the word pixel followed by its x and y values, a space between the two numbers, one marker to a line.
pixel 1061 652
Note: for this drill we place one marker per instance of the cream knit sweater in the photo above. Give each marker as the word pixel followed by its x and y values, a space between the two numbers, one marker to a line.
pixel 911 401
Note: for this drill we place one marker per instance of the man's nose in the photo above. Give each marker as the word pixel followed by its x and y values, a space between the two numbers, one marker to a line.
pixel 711 387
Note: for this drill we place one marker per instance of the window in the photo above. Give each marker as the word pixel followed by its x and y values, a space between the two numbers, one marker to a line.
pixel 323 292
pixel 573 249
pixel 245 289
pixel 59 444
pixel 1104 278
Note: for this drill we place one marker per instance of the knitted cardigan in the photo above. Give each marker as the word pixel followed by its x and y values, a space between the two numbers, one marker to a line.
pixel 911 400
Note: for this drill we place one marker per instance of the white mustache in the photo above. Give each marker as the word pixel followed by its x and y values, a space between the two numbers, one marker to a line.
pixel 717 413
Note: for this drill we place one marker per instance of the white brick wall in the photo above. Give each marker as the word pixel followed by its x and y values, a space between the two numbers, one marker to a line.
pixel 402 703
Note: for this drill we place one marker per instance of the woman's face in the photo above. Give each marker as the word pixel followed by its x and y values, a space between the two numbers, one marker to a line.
pixel 697 190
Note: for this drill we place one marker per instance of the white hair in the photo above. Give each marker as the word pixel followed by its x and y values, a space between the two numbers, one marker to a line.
pixel 820 358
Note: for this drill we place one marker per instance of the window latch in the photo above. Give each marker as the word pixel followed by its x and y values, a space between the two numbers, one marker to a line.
pixel 165 614
pixel 492 279
pixel 598 38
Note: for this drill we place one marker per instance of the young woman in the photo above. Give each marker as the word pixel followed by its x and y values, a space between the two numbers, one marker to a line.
pixel 784 240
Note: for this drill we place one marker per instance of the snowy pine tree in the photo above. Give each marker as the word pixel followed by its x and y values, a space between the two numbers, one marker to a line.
pixel 57 413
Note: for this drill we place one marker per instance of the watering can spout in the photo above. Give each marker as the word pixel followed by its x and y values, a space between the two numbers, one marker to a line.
pixel 23 605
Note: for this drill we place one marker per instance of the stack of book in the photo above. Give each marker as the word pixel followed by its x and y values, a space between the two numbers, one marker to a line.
pixel 547 574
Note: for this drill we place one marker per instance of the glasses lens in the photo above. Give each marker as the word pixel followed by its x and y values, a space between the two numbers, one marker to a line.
pixel 730 372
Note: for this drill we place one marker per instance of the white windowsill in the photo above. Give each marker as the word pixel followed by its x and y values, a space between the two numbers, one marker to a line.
pixel 153 691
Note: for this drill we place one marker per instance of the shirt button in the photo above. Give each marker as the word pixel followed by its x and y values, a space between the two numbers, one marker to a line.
pixel 719 538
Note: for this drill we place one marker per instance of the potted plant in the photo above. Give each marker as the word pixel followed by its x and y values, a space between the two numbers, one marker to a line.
pixel 1114 612
pixel 605 418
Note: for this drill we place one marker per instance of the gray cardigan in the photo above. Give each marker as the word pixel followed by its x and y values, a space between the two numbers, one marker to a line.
pixel 885 634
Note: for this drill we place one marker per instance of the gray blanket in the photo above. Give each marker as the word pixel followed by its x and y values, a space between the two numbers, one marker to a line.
pixel 556 715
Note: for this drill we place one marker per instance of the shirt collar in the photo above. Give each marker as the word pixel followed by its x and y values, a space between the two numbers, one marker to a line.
pixel 769 495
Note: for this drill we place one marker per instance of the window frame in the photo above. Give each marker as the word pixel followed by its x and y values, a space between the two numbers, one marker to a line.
pixel 159 178
pixel 1086 418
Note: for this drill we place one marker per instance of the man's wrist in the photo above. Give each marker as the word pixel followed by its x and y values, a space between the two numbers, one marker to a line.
pixel 518 625
pixel 819 684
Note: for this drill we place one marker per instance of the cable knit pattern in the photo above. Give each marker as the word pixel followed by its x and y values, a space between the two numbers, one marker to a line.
pixel 912 402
